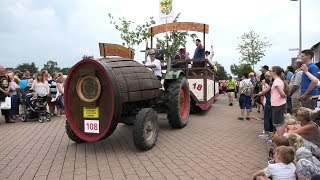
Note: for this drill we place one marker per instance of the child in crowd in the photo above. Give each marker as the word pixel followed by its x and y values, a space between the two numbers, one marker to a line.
pixel 34 101
pixel 307 165
pixel 283 168
pixel 276 142
pixel 295 140
pixel 290 123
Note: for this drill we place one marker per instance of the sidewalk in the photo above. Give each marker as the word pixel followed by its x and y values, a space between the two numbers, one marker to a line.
pixel 214 145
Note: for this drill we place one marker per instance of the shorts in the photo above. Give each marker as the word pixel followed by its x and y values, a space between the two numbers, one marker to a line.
pixel 245 102
pixel 230 90
pixel 278 115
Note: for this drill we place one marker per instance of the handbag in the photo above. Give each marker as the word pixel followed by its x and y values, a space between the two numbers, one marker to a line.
pixel 6 104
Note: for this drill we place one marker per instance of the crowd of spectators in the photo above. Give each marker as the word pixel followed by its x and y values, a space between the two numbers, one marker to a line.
pixel 42 85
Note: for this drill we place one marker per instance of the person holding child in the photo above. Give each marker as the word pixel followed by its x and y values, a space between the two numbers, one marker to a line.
pixel 309 130
pixel 283 168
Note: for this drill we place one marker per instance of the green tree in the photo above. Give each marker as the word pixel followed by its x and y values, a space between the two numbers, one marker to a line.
pixel 240 69
pixel 131 35
pixel 51 66
pixel 31 67
pixel 174 40
pixel 252 48
pixel 9 69
pixel 65 70
pixel 222 73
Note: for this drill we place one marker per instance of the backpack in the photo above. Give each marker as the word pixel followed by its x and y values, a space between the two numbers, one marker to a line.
pixel 246 88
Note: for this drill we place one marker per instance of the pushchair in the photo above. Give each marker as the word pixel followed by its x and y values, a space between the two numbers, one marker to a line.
pixel 33 106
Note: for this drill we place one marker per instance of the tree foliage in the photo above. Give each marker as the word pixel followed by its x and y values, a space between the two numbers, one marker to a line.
pixel 30 66
pixel 51 66
pixel 252 48
pixel 174 40
pixel 240 69
pixel 129 34
pixel 222 73
pixel 65 70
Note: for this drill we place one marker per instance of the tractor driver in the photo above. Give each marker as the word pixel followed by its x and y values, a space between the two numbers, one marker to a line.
pixel 154 64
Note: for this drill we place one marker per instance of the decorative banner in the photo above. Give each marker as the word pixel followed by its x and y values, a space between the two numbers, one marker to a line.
pixel 107 49
pixel 179 26
pixel 166 12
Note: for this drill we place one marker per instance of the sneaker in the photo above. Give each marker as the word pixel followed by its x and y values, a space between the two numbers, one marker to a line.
pixel 248 118
pixel 230 104
pixel 263 136
pixel 240 118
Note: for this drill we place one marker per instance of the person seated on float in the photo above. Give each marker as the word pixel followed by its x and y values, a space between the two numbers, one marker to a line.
pixel 154 64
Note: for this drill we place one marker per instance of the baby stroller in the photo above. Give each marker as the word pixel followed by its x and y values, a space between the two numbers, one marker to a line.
pixel 33 106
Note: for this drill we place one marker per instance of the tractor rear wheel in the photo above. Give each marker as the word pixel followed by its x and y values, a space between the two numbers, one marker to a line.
pixel 146 129
pixel 178 102
pixel 72 135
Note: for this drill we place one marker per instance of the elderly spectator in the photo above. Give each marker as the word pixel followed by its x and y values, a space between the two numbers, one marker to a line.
pixel 4 92
pixel 14 92
pixel 307 165
pixel 294 87
pixel 309 130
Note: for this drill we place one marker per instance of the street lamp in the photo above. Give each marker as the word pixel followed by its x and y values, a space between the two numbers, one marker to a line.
pixel 299 25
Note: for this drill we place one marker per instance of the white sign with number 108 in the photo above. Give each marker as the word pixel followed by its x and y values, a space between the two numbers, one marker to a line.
pixel 91 126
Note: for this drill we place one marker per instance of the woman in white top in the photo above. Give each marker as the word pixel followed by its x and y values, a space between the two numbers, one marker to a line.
pixel 41 87
pixel 13 92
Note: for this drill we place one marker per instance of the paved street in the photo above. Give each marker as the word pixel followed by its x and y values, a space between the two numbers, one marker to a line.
pixel 214 145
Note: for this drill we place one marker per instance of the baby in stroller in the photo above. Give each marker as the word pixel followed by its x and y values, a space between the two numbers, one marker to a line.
pixel 35 107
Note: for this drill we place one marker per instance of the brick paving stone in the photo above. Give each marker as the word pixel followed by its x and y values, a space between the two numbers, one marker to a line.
pixel 214 145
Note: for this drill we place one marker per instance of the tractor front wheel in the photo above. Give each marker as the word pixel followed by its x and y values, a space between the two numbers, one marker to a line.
pixel 146 129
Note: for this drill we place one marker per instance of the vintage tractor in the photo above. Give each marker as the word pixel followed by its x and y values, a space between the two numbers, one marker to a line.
pixel 99 94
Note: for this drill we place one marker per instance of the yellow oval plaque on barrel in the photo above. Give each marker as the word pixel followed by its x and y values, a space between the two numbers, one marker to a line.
pixel 88 88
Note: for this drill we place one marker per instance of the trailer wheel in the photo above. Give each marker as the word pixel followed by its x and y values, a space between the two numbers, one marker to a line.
pixel 146 129
pixel 72 135
pixel 194 109
pixel 178 102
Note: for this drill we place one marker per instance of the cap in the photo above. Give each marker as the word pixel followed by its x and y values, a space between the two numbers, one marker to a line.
pixel 265 67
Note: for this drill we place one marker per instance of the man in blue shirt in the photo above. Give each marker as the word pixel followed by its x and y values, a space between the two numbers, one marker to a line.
pixel 308 87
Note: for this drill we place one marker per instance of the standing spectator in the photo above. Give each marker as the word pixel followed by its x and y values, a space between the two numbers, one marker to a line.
pixel 53 94
pixel 246 92
pixel 289 73
pixel 27 76
pixel 60 92
pixel 41 87
pixel 14 94
pixel 45 75
pixel 308 88
pixel 17 76
pixel 267 116
pixel 263 70
pixel 278 99
pixel 4 92
pixel 294 87
pixel 230 89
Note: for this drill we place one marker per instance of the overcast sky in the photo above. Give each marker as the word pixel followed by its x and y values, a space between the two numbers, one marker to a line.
pixel 40 30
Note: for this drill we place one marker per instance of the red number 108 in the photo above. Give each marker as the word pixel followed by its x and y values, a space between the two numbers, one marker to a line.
pixel 92 126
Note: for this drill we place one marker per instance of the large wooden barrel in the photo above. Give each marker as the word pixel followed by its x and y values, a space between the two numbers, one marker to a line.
pixel 96 90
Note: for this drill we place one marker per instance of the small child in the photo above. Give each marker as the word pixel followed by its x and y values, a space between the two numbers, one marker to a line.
pixel 280 141
pixel 283 167
pixel 35 103
pixel 295 140
pixel 290 123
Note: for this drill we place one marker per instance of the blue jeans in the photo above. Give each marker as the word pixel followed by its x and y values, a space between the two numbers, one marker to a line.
pixel 14 105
